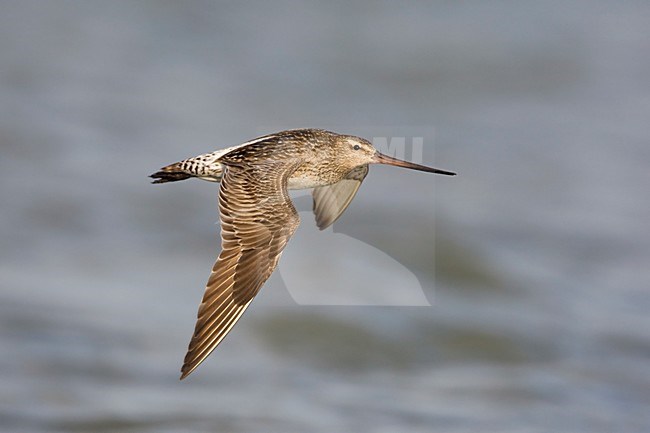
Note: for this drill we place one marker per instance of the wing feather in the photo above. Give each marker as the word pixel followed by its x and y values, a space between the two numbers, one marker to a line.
pixel 330 201
pixel 257 220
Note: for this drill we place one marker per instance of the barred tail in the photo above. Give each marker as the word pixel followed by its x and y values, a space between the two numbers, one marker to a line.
pixel 170 173
pixel 205 167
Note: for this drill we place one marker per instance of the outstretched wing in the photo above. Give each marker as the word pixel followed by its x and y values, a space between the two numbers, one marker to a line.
pixel 330 201
pixel 257 220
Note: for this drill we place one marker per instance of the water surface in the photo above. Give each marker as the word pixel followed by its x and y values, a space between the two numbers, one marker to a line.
pixel 535 258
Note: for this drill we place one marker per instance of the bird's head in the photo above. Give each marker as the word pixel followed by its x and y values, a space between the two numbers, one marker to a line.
pixel 359 151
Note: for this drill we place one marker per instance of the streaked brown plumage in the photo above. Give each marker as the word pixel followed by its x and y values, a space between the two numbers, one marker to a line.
pixel 258 217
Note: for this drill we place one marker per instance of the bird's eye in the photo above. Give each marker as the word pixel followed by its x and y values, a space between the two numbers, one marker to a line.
pixel 356 147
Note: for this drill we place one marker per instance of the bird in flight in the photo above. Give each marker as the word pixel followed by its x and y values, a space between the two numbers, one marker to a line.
pixel 258 217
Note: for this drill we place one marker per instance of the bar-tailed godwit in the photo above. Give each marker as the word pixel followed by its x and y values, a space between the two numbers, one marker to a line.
pixel 258 217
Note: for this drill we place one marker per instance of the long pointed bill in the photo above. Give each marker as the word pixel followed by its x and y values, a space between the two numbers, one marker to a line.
pixel 380 158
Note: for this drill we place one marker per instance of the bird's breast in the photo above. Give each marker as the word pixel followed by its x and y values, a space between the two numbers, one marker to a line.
pixel 310 176
pixel 305 181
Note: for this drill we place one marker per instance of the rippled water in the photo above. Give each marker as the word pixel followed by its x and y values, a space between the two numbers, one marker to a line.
pixel 535 258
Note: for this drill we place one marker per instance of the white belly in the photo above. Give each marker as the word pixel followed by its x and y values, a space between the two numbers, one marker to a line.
pixel 303 182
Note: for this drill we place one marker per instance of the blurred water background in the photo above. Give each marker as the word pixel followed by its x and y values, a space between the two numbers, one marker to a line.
pixel 535 258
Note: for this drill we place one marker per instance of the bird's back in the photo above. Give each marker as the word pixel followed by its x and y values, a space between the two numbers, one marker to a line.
pixel 312 145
